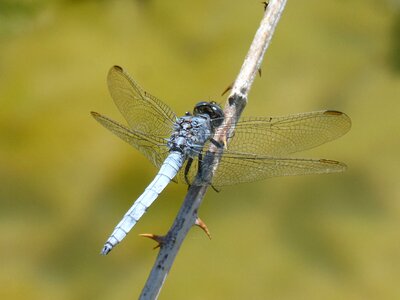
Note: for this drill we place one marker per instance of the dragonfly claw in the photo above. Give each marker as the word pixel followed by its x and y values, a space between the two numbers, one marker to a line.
pixel 158 238
pixel 199 222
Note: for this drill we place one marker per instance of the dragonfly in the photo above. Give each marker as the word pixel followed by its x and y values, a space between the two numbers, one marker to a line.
pixel 176 145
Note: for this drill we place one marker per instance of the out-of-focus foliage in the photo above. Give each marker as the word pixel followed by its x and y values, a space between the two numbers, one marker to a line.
pixel 66 182
pixel 395 51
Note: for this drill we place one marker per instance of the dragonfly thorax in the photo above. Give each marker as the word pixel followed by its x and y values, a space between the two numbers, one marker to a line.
pixel 189 135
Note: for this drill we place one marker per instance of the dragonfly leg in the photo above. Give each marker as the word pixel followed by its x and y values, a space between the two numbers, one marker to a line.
pixel 216 144
pixel 200 163
pixel 215 189
pixel 187 168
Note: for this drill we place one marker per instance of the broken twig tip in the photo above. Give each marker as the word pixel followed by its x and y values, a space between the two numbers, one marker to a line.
pixel 265 3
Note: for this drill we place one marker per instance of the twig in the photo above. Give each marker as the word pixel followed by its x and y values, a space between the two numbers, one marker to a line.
pixel 237 100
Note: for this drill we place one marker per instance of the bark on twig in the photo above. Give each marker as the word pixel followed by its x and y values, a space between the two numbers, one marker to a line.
pixel 236 102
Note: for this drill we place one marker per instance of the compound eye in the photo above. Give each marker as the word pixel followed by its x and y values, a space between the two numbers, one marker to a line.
pixel 212 109
pixel 217 116
pixel 200 108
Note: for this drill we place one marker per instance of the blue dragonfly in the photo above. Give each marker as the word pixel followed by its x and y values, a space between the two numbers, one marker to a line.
pixel 176 145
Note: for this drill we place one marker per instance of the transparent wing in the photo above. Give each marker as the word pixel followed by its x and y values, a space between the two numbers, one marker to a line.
pixel 255 150
pixel 240 168
pixel 143 112
pixel 276 136
pixel 153 147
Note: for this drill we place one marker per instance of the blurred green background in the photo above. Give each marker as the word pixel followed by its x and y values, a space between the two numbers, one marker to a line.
pixel 66 181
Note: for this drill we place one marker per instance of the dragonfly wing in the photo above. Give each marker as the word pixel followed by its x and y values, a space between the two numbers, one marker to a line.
pixel 143 112
pixel 255 149
pixel 237 168
pixel 153 147
pixel 276 136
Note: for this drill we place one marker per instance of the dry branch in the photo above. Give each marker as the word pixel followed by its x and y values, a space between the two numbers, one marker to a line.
pixel 236 102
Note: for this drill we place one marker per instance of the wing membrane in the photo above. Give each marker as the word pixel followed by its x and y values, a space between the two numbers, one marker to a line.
pixel 153 147
pixel 240 168
pixel 276 136
pixel 143 112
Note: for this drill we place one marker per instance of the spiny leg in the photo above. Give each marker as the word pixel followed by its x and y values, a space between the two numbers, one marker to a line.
pixel 187 168
pixel 200 163
pixel 218 144
pixel 215 189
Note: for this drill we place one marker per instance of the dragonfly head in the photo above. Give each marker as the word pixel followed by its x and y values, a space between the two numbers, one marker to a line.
pixel 212 109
